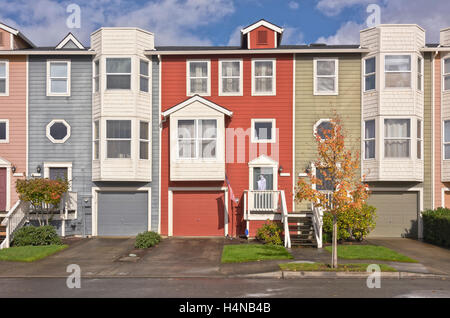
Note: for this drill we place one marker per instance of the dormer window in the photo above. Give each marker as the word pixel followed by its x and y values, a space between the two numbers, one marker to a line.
pixel 262 37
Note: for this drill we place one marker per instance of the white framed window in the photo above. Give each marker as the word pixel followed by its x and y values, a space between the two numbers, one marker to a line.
pixel 118 139
pixel 59 170
pixel 420 70
pixel 4 77
pixel 263 131
pixel 264 77
pixel 58 78
pixel 118 73
pixel 397 138
pixel 446 74
pixel 397 70
pixel 446 139
pixel 198 77
pixel 369 139
pixel 419 139
pixel 144 140
pixel 58 131
pixel 96 140
pixel 4 131
pixel 144 76
pixel 370 66
pixel 230 78
pixel 326 77
pixel 196 138
pixel 322 128
pixel 96 76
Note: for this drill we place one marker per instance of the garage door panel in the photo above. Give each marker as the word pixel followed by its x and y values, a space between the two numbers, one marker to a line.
pixel 397 213
pixel 122 213
pixel 198 213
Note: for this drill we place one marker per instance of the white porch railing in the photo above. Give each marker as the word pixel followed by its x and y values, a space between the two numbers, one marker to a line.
pixel 15 218
pixel 317 218
pixel 284 211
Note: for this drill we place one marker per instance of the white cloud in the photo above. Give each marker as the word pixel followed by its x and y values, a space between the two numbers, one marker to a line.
pixel 292 36
pixel 348 33
pixel 172 21
pixel 334 7
pixel 235 37
pixel 293 5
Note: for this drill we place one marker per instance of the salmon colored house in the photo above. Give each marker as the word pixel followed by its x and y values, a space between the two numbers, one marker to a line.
pixel 13 114
pixel 227 123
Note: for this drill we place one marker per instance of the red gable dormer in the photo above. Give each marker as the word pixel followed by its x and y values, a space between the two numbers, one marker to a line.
pixel 12 39
pixel 261 35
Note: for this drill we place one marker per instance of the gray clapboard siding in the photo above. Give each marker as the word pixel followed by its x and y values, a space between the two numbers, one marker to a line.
pixel 155 144
pixel 76 110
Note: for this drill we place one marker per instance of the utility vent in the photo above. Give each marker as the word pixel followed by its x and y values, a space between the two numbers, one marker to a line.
pixel 262 37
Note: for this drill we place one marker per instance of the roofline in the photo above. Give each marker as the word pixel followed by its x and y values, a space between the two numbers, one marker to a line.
pixel 122 28
pixel 394 25
pixel 435 49
pixel 45 52
pixel 257 51
pixel 196 98
pixel 16 32
pixel 66 39
pixel 259 23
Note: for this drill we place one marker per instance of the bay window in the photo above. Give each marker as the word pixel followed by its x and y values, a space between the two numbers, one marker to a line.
pixel 96 76
pixel 143 76
pixel 118 73
pixel 420 74
pixel 370 74
pixel 397 71
pixel 419 139
pixel 369 139
pixel 96 140
pixel 58 78
pixel 198 79
pixel 197 138
pixel 397 138
pixel 118 138
pixel 230 82
pixel 263 77
pixel 447 74
pixel 144 140
pixel 447 140
pixel 325 76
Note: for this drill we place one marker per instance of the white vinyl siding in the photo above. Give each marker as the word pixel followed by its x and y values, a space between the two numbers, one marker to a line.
pixel 230 78
pixel 397 138
pixel 118 73
pixel 263 77
pixel 369 139
pixel 370 74
pixel 4 78
pixel 58 78
pixel 326 76
pixel 198 78
pixel 118 139
pixel 397 71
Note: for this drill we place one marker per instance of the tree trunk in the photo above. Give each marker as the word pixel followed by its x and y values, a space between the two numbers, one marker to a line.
pixel 334 262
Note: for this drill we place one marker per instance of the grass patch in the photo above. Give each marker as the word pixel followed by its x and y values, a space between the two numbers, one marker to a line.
pixel 374 252
pixel 29 253
pixel 253 252
pixel 320 267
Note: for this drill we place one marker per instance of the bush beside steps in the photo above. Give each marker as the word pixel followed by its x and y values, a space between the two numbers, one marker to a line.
pixel 147 239
pixel 436 226
pixel 36 236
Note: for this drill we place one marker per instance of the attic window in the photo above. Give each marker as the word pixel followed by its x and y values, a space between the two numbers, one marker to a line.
pixel 262 37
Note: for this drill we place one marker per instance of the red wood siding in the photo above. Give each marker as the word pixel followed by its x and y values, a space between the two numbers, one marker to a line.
pixel 244 108
pixel 254 36
pixel 198 213
pixel 13 108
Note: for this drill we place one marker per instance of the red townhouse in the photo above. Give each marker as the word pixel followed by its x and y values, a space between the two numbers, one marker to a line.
pixel 226 135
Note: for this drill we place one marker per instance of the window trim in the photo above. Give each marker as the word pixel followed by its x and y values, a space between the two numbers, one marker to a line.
pixel 6 93
pixel 264 120
pixel 188 78
pixel 410 156
pixel 274 77
pixel 50 137
pixel 335 76
pixel 148 141
pixel 106 139
pixel 419 139
pixel 95 77
pixel 196 139
pixel 370 74
pixel 410 71
pixel 443 140
pixel 421 74
pixel 106 73
pixel 96 140
pixel 68 78
pixel 365 139
pixel 241 78
pixel 444 75
pixel 317 124
pixel 6 140
pixel 54 164
pixel 144 76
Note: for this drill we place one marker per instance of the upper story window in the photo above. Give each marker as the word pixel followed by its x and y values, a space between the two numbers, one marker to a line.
pixel 4 65
pixel 419 139
pixel 4 131
pixel 197 138
pixel 58 78
pixel 144 140
pixel 118 73
pixel 447 74
pixel 198 77
pixel 118 139
pixel 326 76
pixel 263 130
pixel 370 74
pixel 369 139
pixel 447 140
pixel 397 138
pixel 143 76
pixel 397 71
pixel 97 76
pixel 420 74
pixel 230 77
pixel 96 139
pixel 263 77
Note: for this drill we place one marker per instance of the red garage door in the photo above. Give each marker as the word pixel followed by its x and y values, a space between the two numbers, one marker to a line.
pixel 198 213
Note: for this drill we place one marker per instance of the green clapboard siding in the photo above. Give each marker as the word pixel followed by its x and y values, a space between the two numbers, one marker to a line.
pixel 309 108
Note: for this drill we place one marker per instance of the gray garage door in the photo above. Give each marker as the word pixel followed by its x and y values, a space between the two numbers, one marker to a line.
pixel 396 213
pixel 122 213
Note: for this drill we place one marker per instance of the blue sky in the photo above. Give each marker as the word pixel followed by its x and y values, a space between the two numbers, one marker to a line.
pixel 217 22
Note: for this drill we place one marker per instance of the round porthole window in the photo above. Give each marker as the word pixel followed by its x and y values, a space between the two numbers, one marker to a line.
pixel 58 131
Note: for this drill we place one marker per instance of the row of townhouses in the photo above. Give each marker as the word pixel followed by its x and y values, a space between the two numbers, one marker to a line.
pixel 210 141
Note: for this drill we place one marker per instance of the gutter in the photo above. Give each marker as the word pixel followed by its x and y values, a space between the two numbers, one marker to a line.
pixel 260 51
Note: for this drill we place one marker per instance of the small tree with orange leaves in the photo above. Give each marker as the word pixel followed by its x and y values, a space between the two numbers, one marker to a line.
pixel 339 168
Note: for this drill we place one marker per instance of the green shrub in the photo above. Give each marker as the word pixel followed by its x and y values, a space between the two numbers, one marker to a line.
pixel 36 236
pixel 270 233
pixel 147 239
pixel 352 224
pixel 436 226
